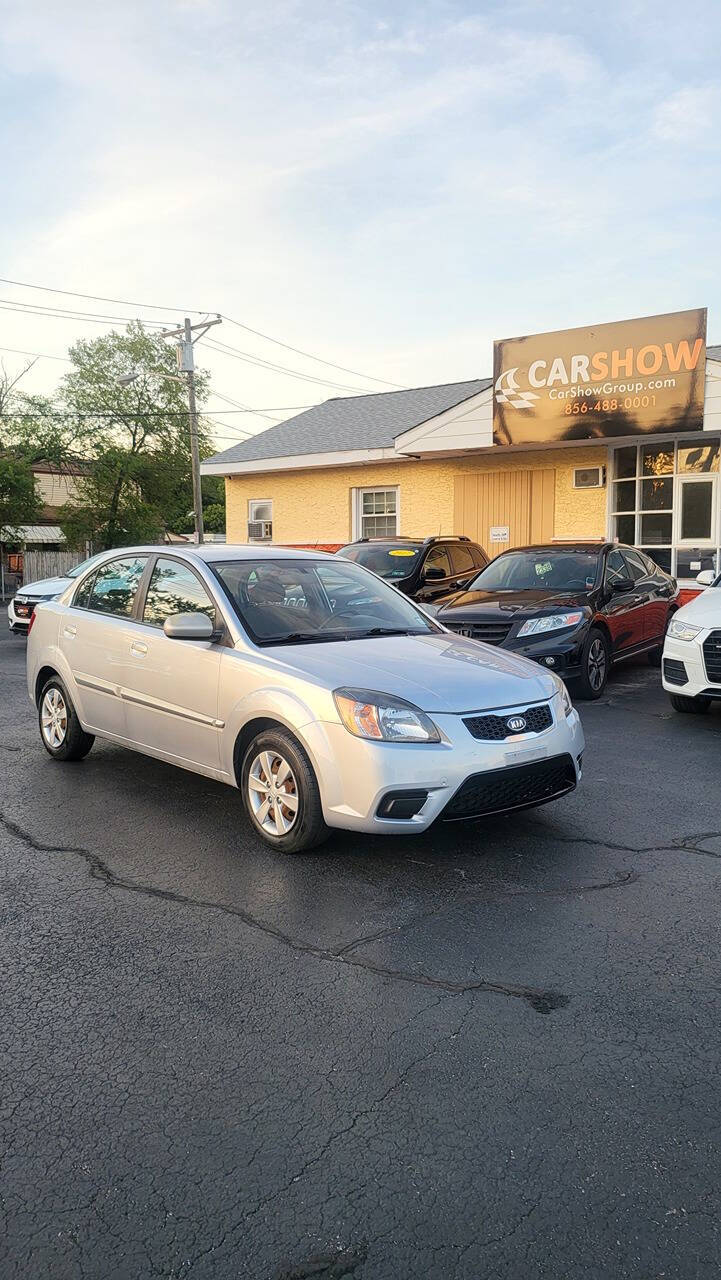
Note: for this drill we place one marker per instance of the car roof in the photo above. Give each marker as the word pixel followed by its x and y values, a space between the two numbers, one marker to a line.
pixel 565 546
pixel 211 552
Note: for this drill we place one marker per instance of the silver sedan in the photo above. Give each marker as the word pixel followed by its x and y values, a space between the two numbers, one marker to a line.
pixel 319 691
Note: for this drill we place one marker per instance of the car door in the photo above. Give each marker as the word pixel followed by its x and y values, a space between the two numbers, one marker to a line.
pixel 462 564
pixel 624 610
pixel 438 561
pixel 655 597
pixel 95 633
pixel 171 687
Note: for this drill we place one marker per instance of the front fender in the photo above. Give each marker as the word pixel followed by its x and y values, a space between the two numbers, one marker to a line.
pixel 288 709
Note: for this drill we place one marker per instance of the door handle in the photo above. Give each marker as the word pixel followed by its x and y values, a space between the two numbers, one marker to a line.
pixel 139 648
pixel 70 632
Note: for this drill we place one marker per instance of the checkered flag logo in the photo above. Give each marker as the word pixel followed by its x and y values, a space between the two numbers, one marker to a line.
pixel 508 391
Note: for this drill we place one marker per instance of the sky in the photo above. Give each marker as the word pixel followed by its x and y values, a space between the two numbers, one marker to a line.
pixel 388 187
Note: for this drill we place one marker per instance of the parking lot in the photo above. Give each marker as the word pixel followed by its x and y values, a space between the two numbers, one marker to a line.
pixel 491 1051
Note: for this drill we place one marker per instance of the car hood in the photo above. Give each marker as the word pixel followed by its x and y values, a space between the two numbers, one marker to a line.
pixel 436 672
pixel 704 610
pixel 507 604
pixel 45 587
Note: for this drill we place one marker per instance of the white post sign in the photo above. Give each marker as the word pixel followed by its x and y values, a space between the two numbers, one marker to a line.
pixel 499 533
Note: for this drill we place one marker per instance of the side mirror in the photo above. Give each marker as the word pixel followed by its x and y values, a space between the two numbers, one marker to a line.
pixel 189 626
pixel 622 584
pixel 706 578
pixel 433 574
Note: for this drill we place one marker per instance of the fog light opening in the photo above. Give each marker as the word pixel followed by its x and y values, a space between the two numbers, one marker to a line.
pixel 400 806
pixel 550 661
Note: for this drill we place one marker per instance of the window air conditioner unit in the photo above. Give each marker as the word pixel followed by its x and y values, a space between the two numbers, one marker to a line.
pixel 260 530
pixel 589 477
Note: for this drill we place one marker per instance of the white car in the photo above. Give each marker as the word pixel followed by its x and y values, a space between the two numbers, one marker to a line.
pixel 692 652
pixel 319 691
pixel 22 605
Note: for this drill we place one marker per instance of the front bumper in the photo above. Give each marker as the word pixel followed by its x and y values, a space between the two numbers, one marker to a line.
pixel 559 651
pixel 355 776
pixel 17 623
pixel 683 668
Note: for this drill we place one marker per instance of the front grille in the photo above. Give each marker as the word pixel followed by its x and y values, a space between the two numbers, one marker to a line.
pixel 488 632
pixel 712 656
pixel 674 671
pixel 518 787
pixel 493 728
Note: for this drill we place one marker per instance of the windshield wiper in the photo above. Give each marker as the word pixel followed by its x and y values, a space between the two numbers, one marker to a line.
pixel 305 637
pixel 391 631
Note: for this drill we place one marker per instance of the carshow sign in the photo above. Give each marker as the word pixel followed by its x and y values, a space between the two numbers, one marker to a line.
pixel 630 378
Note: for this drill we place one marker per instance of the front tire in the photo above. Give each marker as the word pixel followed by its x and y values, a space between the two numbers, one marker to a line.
pixel 280 793
pixel 690 706
pixel 61 732
pixel 595 664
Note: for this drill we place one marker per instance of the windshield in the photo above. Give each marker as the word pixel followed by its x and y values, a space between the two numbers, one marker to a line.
pixel 539 570
pixel 387 561
pixel 84 564
pixel 296 601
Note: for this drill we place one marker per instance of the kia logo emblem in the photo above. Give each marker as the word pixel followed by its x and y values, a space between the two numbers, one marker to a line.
pixel 516 724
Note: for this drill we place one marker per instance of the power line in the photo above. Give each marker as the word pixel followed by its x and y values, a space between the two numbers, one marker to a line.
pixel 39 355
pixel 65 313
pixel 154 306
pixel 224 349
pixel 96 297
pixel 309 356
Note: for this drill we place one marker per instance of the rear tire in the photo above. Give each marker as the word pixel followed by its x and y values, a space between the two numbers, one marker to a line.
pixel 280 793
pixel 595 664
pixel 61 732
pixel 690 706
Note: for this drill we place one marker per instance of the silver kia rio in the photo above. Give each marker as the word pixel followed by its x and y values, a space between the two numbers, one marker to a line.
pixel 319 691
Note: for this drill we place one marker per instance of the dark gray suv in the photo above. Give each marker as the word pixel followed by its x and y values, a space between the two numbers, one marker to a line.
pixel 423 568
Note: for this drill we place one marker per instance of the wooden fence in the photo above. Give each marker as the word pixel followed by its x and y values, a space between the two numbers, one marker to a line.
pixel 48 564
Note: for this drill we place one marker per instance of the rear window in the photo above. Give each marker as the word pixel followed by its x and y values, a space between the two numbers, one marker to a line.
pixel 387 561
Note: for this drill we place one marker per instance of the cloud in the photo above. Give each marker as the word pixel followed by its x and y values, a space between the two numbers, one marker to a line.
pixel 690 116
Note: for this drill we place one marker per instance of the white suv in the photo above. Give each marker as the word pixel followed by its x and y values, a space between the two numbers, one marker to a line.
pixel 692 652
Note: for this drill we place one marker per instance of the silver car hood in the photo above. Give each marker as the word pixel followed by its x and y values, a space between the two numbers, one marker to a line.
pixel 435 672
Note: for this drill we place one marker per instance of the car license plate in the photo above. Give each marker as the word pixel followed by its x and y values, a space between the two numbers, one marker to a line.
pixel 22 610
pixel 526 757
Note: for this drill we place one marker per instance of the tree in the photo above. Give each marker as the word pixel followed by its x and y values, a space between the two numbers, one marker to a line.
pixel 19 499
pixel 214 517
pixel 137 436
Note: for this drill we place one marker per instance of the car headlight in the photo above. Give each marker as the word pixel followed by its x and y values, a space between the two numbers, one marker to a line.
pixel 537 626
pixel 683 630
pixel 566 700
pixel 380 716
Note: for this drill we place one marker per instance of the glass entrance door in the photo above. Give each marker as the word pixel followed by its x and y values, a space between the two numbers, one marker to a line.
pixel 696 523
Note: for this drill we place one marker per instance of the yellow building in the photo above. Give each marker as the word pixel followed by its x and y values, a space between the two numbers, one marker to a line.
pixel 424 461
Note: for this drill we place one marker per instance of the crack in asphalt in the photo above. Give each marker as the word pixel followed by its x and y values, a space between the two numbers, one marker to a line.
pixel 540 1000
pixel 334 1266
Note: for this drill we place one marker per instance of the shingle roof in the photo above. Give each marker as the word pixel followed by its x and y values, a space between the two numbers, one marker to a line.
pixel 355 422
pixel 713 353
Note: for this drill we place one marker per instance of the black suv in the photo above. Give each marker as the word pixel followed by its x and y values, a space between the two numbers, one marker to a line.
pixel 424 568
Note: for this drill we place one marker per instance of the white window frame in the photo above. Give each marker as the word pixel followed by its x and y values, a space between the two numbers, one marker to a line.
pixel 357 507
pixel 252 518
pixel 676 546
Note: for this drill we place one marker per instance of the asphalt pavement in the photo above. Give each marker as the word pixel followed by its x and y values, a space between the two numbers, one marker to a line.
pixel 488 1052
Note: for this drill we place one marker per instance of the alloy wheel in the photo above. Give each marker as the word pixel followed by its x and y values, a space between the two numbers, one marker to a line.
pixel 54 718
pixel 597 665
pixel 273 793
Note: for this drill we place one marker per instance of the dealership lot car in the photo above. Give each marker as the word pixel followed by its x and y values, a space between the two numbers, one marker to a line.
pixel 576 609
pixel 307 682
pixel 22 605
pixel 422 568
pixel 691 667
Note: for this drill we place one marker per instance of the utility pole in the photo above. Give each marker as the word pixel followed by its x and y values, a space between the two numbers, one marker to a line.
pixel 186 365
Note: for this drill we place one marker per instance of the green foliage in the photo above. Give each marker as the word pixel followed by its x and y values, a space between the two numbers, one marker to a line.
pixel 214 517
pixel 20 502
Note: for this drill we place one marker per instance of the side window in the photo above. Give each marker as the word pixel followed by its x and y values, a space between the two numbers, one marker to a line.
pixel 480 559
pixel 174 588
pixel 636 567
pixel 81 598
pixel 461 558
pixel 115 586
pixel 615 568
pixel 437 558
